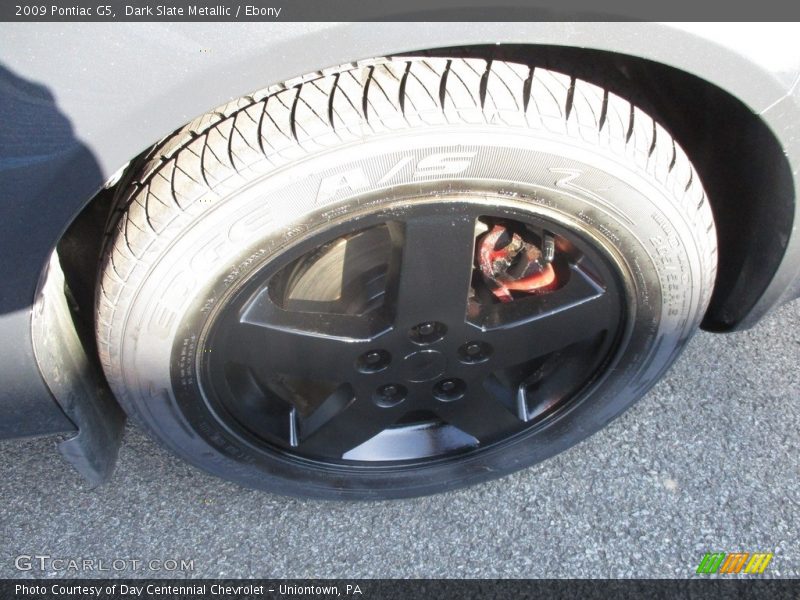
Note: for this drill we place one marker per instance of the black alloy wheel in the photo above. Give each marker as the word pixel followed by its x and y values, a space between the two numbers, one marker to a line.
pixel 382 347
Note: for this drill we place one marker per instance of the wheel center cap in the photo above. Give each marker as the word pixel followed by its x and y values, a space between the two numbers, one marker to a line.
pixel 424 365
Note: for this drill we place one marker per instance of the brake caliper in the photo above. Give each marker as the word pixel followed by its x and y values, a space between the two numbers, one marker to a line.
pixel 510 263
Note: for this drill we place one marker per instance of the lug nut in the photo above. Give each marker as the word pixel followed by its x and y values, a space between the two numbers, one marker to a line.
pixel 373 361
pixel 427 328
pixel 390 395
pixel 448 390
pixel 427 332
pixel 474 352
pixel 448 385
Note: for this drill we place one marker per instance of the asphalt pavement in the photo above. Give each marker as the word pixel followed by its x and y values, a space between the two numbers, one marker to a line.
pixel 707 461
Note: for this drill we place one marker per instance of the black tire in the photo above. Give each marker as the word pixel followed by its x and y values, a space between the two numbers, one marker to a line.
pixel 239 187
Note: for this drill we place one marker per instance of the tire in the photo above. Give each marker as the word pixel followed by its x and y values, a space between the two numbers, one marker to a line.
pixel 238 196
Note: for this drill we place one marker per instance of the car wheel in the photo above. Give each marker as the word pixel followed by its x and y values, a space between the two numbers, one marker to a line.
pixel 402 276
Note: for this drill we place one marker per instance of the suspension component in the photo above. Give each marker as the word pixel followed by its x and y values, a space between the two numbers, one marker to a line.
pixel 509 263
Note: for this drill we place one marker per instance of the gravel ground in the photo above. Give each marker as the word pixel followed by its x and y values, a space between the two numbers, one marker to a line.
pixel 707 461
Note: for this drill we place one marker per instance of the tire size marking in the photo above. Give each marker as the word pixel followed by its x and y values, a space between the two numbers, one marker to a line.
pixel 568 182
pixel 354 180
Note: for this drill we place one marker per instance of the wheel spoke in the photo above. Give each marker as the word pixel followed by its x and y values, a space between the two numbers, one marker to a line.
pixel 316 346
pixel 432 267
pixel 263 312
pixel 484 416
pixel 508 395
pixel 345 420
pixel 539 325
pixel 293 353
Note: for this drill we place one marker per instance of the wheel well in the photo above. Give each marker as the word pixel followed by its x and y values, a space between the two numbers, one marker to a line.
pixel 741 163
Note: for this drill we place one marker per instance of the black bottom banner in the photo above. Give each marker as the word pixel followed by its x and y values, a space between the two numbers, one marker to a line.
pixel 364 589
